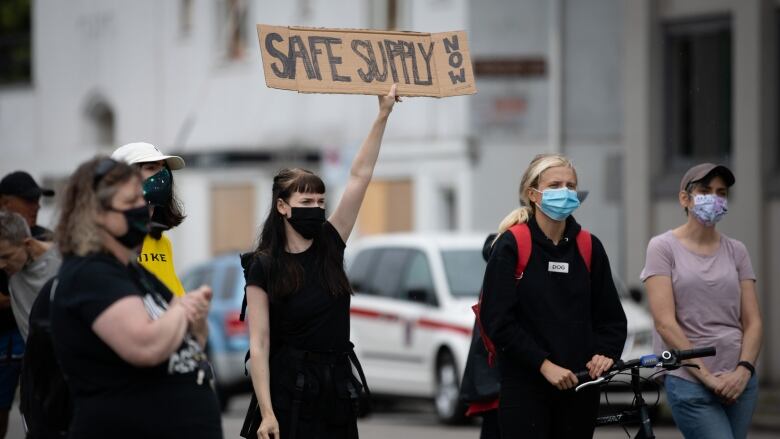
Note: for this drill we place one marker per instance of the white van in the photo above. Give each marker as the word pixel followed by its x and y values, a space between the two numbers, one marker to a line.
pixel 412 317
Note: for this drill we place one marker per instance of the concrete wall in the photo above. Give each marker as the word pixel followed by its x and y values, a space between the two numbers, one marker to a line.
pixel 587 106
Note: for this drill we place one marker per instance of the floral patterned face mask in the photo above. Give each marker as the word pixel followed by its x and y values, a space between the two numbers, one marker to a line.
pixel 709 208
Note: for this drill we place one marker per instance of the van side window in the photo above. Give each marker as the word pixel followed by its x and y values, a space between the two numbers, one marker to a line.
pixel 383 278
pixel 418 281
pixel 359 270
pixel 194 279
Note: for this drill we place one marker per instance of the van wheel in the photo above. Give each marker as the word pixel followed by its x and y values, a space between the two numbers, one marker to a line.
pixel 449 408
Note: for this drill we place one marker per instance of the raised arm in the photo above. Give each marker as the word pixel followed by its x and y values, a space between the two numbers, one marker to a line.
pixel 345 215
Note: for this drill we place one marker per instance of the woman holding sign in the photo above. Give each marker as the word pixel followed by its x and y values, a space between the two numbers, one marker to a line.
pixel 298 300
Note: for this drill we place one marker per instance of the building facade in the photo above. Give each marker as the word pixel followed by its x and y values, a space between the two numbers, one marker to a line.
pixel 614 84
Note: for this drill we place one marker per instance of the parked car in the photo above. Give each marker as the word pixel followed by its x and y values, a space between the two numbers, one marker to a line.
pixel 228 339
pixel 412 318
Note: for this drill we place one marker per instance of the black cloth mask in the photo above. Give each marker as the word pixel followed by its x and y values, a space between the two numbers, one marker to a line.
pixel 159 187
pixel 138 221
pixel 307 221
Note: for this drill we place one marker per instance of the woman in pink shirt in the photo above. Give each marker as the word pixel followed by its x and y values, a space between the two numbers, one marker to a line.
pixel 701 289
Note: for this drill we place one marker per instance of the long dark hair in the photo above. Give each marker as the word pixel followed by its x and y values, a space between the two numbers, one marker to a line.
pixel 285 275
pixel 170 214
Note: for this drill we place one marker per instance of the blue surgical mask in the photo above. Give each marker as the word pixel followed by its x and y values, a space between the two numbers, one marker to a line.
pixel 709 208
pixel 559 203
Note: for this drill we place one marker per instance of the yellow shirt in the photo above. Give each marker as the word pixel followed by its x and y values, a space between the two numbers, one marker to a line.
pixel 157 257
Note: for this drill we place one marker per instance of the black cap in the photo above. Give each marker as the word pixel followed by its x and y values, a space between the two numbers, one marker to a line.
pixel 21 184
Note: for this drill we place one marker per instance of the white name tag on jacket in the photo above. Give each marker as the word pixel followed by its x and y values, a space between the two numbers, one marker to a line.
pixel 558 267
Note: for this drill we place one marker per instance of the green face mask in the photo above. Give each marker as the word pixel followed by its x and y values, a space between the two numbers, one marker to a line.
pixel 159 187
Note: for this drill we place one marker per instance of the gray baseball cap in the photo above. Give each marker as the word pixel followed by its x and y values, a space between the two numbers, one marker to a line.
pixel 702 171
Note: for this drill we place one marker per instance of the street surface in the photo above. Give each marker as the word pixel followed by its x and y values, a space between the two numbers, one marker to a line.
pixel 416 420
pixel 408 421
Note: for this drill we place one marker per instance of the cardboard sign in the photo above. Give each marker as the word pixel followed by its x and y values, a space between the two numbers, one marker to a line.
pixel 314 60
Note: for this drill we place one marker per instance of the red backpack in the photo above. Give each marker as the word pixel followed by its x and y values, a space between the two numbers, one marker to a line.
pixel 523 238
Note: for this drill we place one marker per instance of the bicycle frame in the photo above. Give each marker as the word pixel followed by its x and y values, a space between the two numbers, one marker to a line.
pixel 640 413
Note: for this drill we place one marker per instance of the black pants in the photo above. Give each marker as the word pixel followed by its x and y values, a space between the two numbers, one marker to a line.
pixel 490 428
pixel 534 409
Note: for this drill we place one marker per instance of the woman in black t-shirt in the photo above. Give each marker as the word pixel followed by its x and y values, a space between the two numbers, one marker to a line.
pixel 131 354
pixel 298 303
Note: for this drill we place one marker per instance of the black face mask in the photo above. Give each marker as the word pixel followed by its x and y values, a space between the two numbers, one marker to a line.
pixel 137 220
pixel 307 221
pixel 159 187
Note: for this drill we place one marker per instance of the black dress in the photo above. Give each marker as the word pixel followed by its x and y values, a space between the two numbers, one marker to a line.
pixel 113 398
pixel 313 390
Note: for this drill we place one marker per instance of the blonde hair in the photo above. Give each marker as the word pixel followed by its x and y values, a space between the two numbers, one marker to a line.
pixel 538 165
pixel 86 194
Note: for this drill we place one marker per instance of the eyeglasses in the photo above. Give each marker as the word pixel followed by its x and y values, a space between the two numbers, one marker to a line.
pixel 102 169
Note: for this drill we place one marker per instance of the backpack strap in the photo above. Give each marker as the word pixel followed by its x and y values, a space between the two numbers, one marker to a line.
pixel 585 246
pixel 523 238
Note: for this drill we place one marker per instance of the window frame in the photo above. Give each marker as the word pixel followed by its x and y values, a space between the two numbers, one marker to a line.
pixel 671 164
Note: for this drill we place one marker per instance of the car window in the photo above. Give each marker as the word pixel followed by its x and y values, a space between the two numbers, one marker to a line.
pixel 418 281
pixel 385 277
pixel 360 268
pixel 229 281
pixel 465 270
pixel 193 279
pixel 206 278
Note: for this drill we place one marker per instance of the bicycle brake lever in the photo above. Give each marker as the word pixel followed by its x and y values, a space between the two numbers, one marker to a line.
pixel 598 380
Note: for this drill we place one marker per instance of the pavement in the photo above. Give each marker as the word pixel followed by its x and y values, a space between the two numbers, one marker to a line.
pixel 411 420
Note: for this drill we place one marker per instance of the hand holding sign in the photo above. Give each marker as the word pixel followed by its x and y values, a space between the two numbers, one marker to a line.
pixel 365 61
pixel 387 102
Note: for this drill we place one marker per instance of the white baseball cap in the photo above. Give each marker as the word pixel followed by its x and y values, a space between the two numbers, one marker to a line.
pixel 142 152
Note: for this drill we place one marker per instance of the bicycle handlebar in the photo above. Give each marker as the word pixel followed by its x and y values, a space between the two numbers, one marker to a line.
pixel 695 353
pixel 668 360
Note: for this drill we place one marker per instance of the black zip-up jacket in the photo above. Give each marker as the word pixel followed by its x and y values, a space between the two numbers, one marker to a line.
pixel 563 317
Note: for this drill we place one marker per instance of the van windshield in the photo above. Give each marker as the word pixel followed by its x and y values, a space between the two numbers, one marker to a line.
pixel 465 269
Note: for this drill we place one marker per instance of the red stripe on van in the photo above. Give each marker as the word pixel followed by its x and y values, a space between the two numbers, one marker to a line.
pixel 371 314
pixel 433 324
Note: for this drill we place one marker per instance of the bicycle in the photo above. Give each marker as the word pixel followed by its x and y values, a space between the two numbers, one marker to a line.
pixel 640 413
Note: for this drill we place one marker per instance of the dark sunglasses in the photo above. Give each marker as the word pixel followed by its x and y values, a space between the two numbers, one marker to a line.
pixel 102 169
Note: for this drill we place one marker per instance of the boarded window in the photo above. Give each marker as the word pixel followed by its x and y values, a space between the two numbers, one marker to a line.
pixel 388 207
pixel 234 28
pixel 232 218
